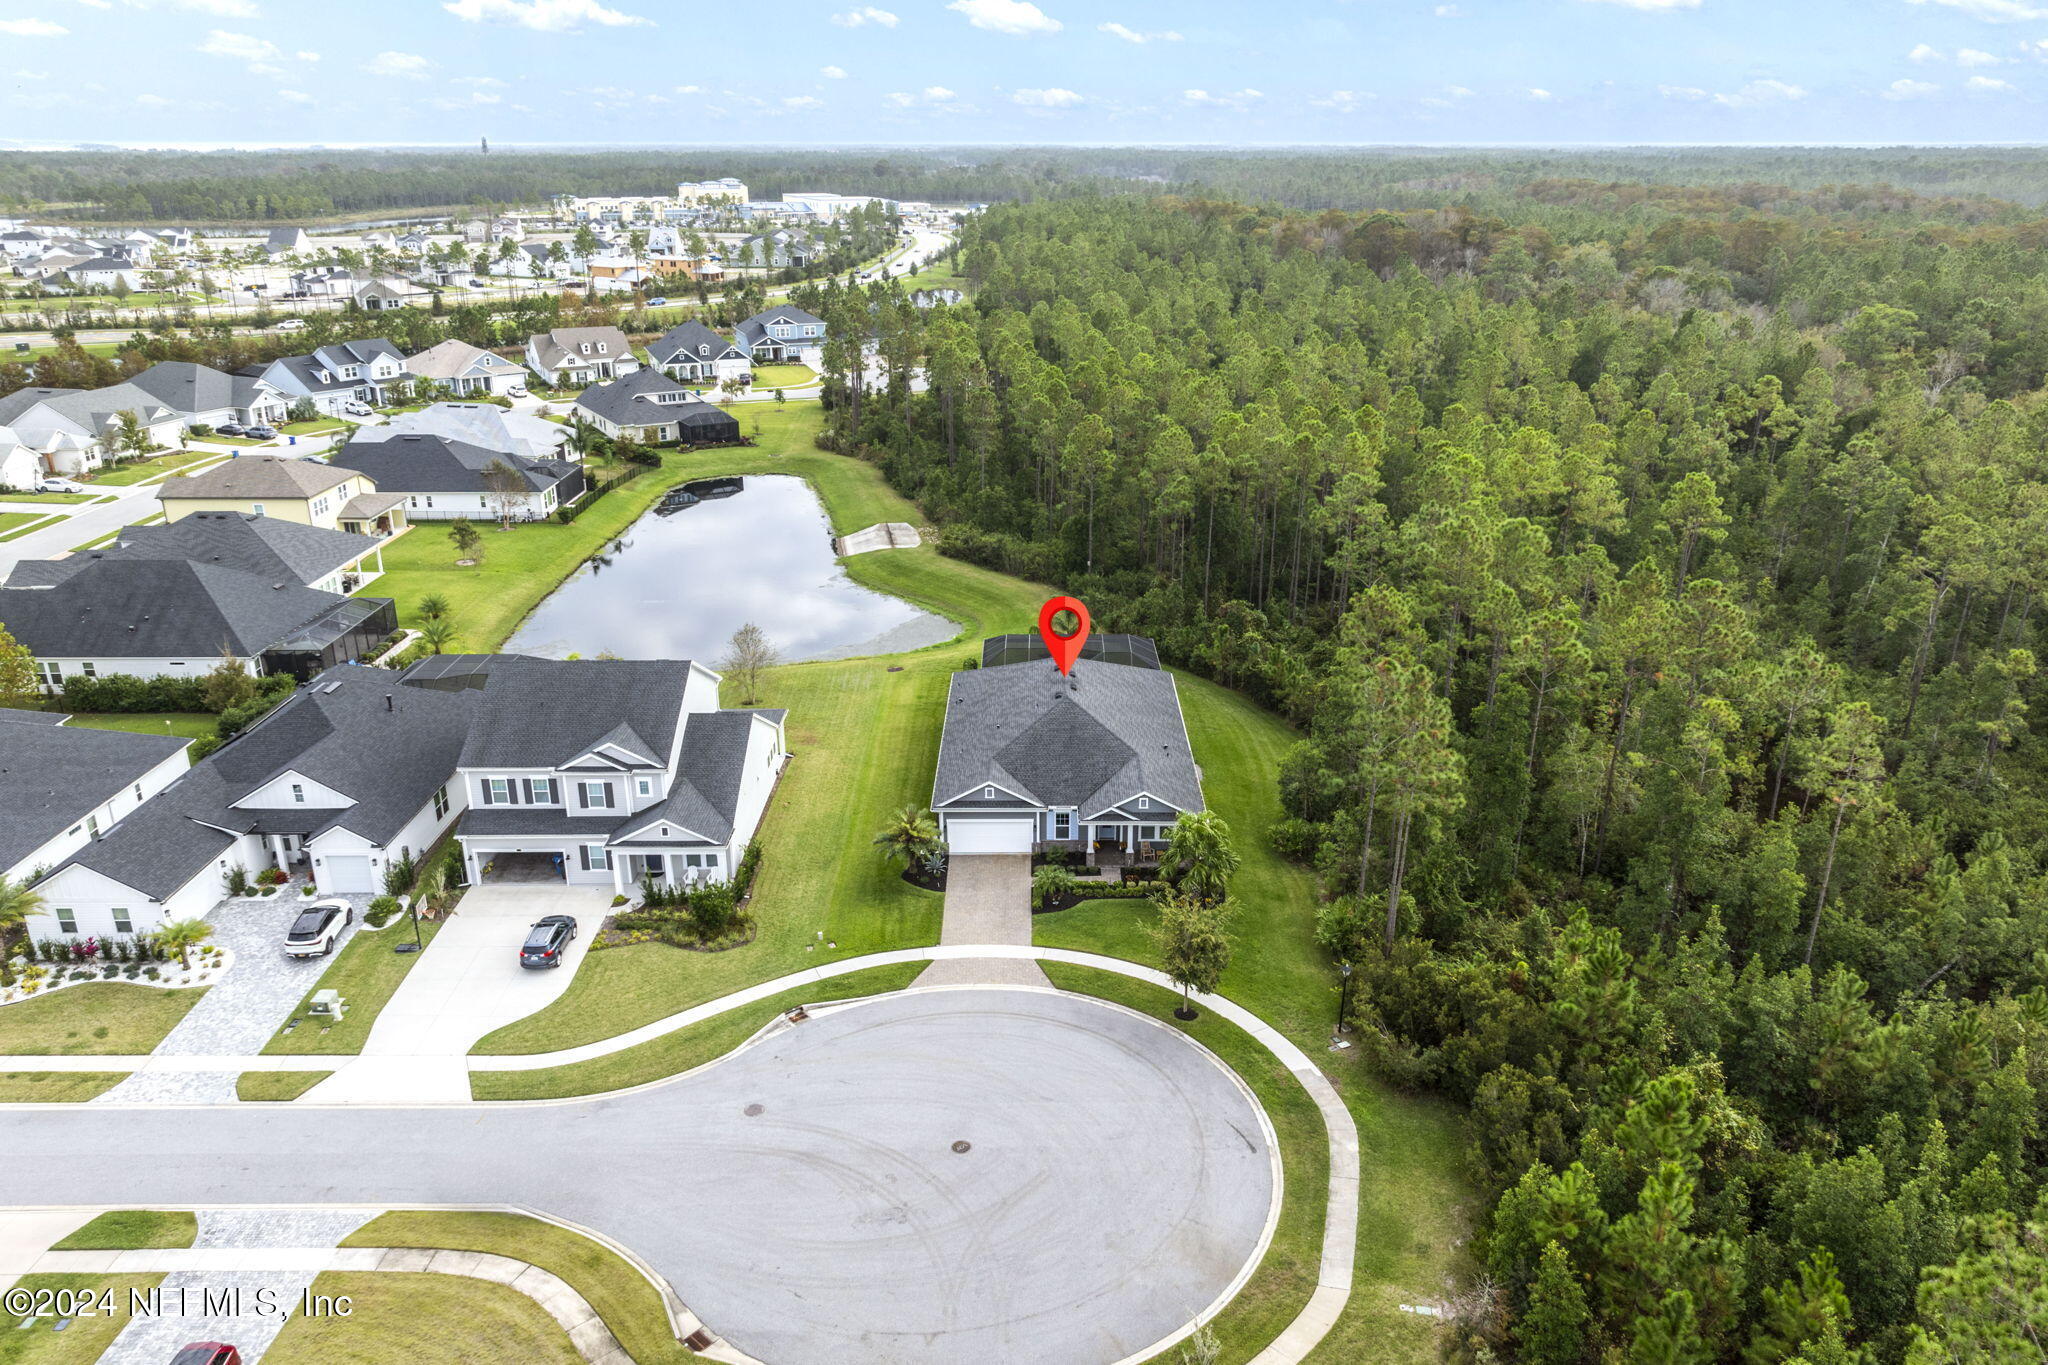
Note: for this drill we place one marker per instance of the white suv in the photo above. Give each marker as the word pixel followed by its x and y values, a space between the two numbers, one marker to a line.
pixel 318 928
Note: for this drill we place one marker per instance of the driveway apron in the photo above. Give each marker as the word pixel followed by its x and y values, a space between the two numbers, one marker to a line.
pixel 988 900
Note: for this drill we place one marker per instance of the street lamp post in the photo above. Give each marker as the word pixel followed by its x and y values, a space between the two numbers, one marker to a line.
pixel 1343 996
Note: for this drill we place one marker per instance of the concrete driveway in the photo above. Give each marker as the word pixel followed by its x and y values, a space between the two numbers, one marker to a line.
pixel 467 984
pixel 947 1177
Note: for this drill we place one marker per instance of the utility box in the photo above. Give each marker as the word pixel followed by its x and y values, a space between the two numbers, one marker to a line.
pixel 328 1005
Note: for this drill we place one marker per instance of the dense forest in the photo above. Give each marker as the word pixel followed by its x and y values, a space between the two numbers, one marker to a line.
pixel 1656 580
pixel 138 187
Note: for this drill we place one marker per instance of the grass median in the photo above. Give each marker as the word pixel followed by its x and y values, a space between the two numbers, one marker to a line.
pixel 276 1087
pixel 85 1337
pixel 421 1319
pixel 686 1048
pixel 134 1229
pixel 366 972
pixel 100 1018
pixel 56 1087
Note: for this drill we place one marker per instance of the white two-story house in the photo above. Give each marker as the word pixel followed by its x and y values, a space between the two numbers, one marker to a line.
pixel 372 372
pixel 784 335
pixel 642 777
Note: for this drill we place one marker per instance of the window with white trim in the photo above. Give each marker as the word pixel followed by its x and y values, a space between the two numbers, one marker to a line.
pixel 594 795
pixel 646 786
pixel 298 795
pixel 540 791
pixel 122 923
pixel 441 802
pixel 497 791
pixel 67 922
pixel 595 857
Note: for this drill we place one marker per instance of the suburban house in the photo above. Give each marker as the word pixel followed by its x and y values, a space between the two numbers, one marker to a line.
pixel 692 351
pixel 650 408
pixel 20 466
pixel 372 372
pixel 465 370
pixel 104 272
pixel 776 250
pixel 273 549
pixel 537 261
pixel 443 479
pixel 387 292
pixel 688 265
pixel 155 618
pixel 579 355
pixel 70 430
pixel 61 787
pixel 783 335
pixel 200 394
pixel 287 239
pixel 304 491
pixel 347 775
pixel 477 424
pixel 643 776
pixel 324 282
pixel 1096 762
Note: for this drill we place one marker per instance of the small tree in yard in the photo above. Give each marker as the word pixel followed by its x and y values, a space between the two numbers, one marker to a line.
pixel 18 901
pixel 21 687
pixel 468 542
pixel 504 489
pixel 911 835
pixel 227 684
pixel 1193 947
pixel 1199 860
pixel 748 654
pixel 437 631
pixel 130 438
pixel 431 606
pixel 180 936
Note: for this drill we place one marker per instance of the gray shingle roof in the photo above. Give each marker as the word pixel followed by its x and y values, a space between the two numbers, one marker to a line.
pixel 257 476
pixel 644 398
pixel 187 388
pixel 119 608
pixel 478 424
pixel 690 341
pixel 433 464
pixel 1116 733
pixel 559 347
pixel 335 730
pixel 452 359
pixel 705 796
pixel 53 776
pixel 90 408
pixel 274 550
pixel 545 713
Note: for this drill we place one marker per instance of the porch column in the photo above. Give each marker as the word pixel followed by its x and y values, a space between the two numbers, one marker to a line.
pixel 277 853
pixel 618 882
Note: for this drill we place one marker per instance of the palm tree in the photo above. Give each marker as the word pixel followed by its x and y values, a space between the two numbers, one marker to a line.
pixel 18 900
pixel 583 438
pixel 437 631
pixel 181 935
pixel 911 835
pixel 432 607
pixel 1199 859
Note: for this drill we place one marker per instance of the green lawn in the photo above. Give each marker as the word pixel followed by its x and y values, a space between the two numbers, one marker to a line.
pixel 86 1338
pixel 1411 1203
pixel 12 495
pixel 318 426
pixel 56 1087
pixel 684 1049
pixel 621 1295
pixel 171 463
pixel 422 1319
pixel 276 1086
pixel 366 972
pixel 131 1229
pixel 109 349
pixel 37 522
pixel 770 377
pixel 15 521
pixel 185 724
pixel 101 1018
pixel 1286 1276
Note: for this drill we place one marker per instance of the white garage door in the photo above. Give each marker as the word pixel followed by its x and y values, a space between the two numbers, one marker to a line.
pixel 347 874
pixel 989 836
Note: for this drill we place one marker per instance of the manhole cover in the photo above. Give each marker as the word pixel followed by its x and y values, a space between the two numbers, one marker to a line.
pixel 754 1110
pixel 962 1145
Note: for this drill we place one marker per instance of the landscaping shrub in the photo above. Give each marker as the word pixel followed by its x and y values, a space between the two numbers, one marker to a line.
pixel 272 876
pixel 126 694
pixel 203 746
pixel 381 911
pixel 399 875
pixel 749 868
pixel 237 880
pixel 1296 839
pixel 713 909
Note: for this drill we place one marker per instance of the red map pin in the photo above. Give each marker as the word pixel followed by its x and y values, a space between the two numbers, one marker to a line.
pixel 1065 648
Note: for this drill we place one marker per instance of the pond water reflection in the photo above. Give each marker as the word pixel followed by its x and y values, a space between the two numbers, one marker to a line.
pixel 677 586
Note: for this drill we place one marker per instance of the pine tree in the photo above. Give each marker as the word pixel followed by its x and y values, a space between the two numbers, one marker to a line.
pixel 1552 1330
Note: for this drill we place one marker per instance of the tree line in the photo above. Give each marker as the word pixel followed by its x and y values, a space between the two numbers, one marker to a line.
pixel 1659 601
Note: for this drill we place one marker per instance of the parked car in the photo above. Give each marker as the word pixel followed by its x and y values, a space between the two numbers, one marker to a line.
pixel 260 433
pixel 547 941
pixel 357 408
pixel 318 928
pixel 59 486
pixel 516 391
pixel 657 303
pixel 292 325
pixel 207 1353
pixel 231 429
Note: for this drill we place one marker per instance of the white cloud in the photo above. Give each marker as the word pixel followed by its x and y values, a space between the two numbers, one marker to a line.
pixel 1457 92
pixel 265 69
pixel 900 99
pixel 832 73
pixel 1652 4
pixel 937 93
pixel 241 47
pixel 689 90
pixel 31 75
pixel 1018 18
pixel 1761 92
pixel 1132 35
pixel 476 99
pixel 1539 95
pixel 1343 101
pixel 410 65
pixel 1449 12
pixel 1684 92
pixel 97 4
pixel 480 82
pixel 153 101
pixel 295 96
pixel 1923 53
pixel 1987 83
pixel 866 14
pixel 1227 99
pixel 1910 90
pixel 545 16
pixel 307 56
pixel 1970 56
pixel 220 9
pixel 1053 97
pixel 32 28
pixel 1991 11
pixel 802 102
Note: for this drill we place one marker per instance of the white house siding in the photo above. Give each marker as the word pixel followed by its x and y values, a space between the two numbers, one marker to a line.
pixel 757 782
pixel 79 834
pixel 278 794
pixel 476 506
pixel 143 668
pixel 92 897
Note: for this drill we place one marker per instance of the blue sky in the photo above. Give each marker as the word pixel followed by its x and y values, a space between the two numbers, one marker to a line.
pixel 280 72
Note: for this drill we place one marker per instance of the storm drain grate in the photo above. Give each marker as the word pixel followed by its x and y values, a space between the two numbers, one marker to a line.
pixel 962 1145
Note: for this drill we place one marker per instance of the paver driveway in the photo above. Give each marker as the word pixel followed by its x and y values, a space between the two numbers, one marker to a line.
pixel 806 1197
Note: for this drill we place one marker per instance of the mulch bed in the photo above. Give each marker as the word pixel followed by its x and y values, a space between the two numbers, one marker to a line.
pixel 918 877
pixel 609 935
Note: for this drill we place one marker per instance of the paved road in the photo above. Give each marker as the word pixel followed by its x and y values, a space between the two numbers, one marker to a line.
pixel 1117 1182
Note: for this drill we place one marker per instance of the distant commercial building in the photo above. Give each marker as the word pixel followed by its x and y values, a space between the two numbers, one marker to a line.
pixel 726 190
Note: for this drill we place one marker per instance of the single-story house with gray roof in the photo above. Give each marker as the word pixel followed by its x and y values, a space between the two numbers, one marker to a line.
pixel 1098 761
pixel 63 786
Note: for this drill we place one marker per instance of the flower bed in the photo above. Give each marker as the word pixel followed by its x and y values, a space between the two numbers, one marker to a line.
pixel 33 980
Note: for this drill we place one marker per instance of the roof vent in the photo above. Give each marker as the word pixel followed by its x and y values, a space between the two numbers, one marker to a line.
pixel 390 704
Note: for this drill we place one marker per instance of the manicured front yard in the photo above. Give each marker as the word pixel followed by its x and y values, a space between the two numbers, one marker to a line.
pixel 171 463
pixel 56 1087
pixel 18 495
pixel 110 1018
pixel 768 378
pixel 366 972
pixel 621 1295
pixel 185 724
pixel 131 1229
pixel 318 426
pixel 677 1052
pixel 84 1339
pixel 422 1319
pixel 14 521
